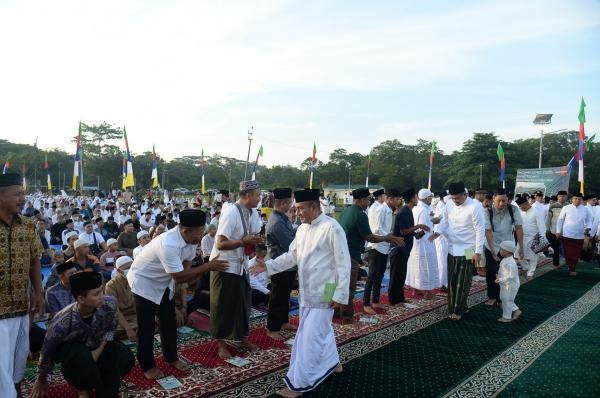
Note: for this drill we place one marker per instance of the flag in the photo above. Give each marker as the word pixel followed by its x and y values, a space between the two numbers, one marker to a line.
pixel 76 160
pixel 124 171
pixel 588 142
pixel 6 166
pixel 500 153
pixel 202 171
pixel 154 175
pixel 47 168
pixel 314 155
pixel 432 152
pixel 23 171
pixel 368 168
pixel 260 153
pixel 581 146
pixel 129 180
pixel 312 165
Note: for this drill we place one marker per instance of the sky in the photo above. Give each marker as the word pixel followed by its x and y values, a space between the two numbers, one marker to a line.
pixel 189 76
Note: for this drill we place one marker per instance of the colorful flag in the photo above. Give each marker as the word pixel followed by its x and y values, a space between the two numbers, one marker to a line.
pixel 76 160
pixel 129 180
pixel 314 155
pixel 500 153
pixel 124 171
pixel 6 166
pixel 581 146
pixel 202 170
pixel 154 175
pixel 259 155
pixel 47 168
pixel 23 171
pixel 431 155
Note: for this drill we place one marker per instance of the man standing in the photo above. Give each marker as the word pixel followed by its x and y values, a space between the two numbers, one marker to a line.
pixel 279 234
pixel 20 252
pixel 356 225
pixel 405 228
pixel 533 224
pixel 321 253
pixel 500 221
pixel 575 226
pixel 553 213
pixel 230 292
pixel 380 222
pixel 166 260
pixel 463 224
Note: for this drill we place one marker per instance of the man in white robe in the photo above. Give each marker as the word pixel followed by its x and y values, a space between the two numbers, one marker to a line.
pixel 321 253
pixel 423 271
pixel 533 224
pixel 441 244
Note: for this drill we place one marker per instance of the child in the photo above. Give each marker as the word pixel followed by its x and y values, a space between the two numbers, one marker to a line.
pixel 260 282
pixel 508 278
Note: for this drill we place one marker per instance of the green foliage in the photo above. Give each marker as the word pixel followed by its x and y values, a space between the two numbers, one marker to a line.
pixel 393 164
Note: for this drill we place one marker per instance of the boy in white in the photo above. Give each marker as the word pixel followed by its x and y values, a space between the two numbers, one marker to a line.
pixel 508 279
pixel 321 252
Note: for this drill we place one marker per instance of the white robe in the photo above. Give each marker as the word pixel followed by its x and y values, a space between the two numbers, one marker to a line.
pixel 533 223
pixel 441 249
pixel 423 273
pixel 508 278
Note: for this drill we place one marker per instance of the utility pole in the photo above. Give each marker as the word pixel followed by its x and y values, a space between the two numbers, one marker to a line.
pixel 249 145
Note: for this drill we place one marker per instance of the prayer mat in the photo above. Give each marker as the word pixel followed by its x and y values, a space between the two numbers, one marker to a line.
pixel 211 376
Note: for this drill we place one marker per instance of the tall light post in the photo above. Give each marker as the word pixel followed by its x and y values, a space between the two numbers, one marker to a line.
pixel 349 176
pixel 59 165
pixel 541 119
pixel 480 175
pixel 249 145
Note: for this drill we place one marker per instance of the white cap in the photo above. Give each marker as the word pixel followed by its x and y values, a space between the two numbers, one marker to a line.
pixel 509 246
pixel 111 241
pixel 141 234
pixel 425 193
pixel 80 242
pixel 121 261
pixel 72 233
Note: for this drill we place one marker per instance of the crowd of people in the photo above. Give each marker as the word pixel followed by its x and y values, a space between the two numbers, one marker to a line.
pixel 124 268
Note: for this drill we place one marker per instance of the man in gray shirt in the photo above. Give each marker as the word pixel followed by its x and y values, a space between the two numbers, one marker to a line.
pixel 500 221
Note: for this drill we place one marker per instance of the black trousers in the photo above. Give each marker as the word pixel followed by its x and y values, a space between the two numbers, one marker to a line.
pixel 555 245
pixel 282 284
pixel 398 266
pixel 377 265
pixel 146 311
pixel 259 298
pixel 491 269
pixel 104 375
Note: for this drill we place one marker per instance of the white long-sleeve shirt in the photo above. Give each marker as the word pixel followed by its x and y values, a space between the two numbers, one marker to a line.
pixel 464 227
pixel 321 252
pixel 573 220
pixel 380 221
pixel 508 273
pixel 533 223
pixel 260 281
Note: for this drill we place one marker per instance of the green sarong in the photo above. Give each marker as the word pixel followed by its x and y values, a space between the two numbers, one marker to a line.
pixel 460 276
pixel 230 301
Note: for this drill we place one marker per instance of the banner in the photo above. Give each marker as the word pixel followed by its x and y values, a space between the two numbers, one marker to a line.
pixel 549 180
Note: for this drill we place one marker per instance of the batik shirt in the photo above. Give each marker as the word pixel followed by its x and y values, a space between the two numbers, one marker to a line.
pixel 19 244
pixel 58 297
pixel 68 325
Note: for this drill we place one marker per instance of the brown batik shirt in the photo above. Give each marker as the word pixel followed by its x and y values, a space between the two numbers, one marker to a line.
pixel 19 244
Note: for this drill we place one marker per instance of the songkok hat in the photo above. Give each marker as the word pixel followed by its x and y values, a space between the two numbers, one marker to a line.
pixel 10 179
pixel 577 195
pixel 456 188
pixel 425 193
pixel 553 197
pixel 306 195
pixel 282 193
pixel 394 193
pixel 61 268
pixel 361 193
pixel 68 221
pixel 538 193
pixel 224 192
pixel 121 261
pixel 249 185
pixel 501 191
pixel 509 246
pixel 141 234
pixel 379 192
pixel 84 281
pixel 111 241
pixel 562 193
pixel 71 234
pixel 192 218
pixel 520 200
pixel 481 190
pixel 589 196
pixel 80 242
pixel 408 194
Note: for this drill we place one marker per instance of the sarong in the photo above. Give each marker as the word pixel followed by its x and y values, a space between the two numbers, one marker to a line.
pixel 230 300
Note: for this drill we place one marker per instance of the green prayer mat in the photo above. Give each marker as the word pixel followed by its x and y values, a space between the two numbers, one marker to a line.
pixel 434 360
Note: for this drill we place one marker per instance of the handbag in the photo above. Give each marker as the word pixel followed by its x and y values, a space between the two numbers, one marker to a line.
pixel 539 243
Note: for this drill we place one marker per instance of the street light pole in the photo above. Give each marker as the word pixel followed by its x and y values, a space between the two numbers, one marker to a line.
pixel 480 175
pixel 349 176
pixel 249 145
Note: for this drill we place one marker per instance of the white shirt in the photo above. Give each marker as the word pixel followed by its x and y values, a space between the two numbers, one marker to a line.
pixel 380 221
pixel 542 209
pixel 206 245
pixel 321 251
pixel 533 223
pixel 146 224
pixel 260 281
pixel 464 226
pixel 231 227
pixel 90 238
pixel 137 250
pixel 572 221
pixel 508 273
pixel 150 271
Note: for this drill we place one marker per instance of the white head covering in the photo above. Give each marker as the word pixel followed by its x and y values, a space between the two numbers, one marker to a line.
pixel 121 261
pixel 425 193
